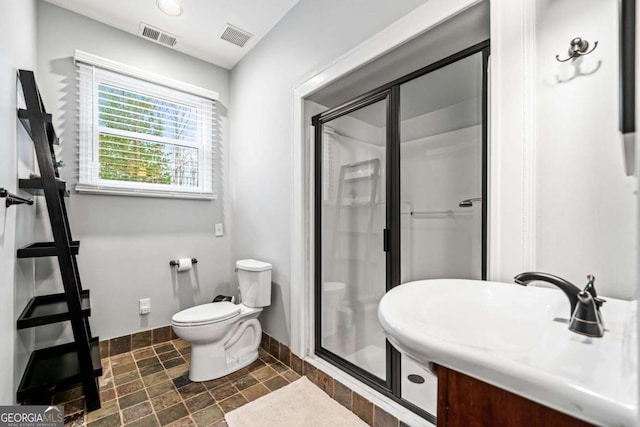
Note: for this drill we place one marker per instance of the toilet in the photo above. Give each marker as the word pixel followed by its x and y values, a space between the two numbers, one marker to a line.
pixel 225 337
pixel 332 299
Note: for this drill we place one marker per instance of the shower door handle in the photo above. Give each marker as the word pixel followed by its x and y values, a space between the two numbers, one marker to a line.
pixel 385 240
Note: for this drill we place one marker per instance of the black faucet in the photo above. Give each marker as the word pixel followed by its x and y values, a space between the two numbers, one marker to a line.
pixel 570 290
pixel 591 289
pixel 586 320
pixel 585 317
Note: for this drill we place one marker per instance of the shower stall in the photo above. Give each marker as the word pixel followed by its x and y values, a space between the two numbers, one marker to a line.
pixel 400 195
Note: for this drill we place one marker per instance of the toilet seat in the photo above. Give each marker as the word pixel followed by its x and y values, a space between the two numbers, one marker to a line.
pixel 205 314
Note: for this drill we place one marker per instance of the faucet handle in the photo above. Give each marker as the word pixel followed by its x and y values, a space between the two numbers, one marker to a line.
pixel 585 319
pixel 591 289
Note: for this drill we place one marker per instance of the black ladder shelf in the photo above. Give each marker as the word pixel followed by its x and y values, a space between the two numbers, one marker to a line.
pixel 53 369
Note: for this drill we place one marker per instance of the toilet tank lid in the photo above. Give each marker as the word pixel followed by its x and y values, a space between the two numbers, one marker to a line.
pixel 252 265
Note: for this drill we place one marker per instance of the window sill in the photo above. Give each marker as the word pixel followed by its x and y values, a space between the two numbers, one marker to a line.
pixel 129 192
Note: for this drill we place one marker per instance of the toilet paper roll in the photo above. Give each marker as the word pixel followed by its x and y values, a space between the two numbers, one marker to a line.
pixel 184 264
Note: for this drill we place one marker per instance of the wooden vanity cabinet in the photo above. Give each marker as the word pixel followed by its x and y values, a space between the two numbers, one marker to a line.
pixel 464 401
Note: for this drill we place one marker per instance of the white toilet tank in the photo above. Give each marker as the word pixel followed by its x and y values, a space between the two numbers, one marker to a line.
pixel 254 278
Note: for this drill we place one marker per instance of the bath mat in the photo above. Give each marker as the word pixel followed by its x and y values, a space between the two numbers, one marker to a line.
pixel 298 404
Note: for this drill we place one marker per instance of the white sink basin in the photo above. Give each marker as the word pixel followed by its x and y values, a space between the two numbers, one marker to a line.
pixel 513 337
pixel 478 314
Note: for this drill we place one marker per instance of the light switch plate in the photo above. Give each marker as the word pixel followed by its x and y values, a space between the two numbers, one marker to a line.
pixel 219 230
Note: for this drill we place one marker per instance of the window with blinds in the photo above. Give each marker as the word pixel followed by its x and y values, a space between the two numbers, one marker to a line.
pixel 144 138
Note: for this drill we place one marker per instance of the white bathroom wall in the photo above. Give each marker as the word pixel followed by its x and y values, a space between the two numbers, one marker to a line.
pixel 311 35
pixel 585 205
pixel 127 242
pixel 26 218
pixel 560 199
pixel 437 172
pixel 18 30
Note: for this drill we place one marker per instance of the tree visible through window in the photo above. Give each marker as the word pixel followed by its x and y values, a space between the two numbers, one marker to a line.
pixel 140 136
pixel 125 158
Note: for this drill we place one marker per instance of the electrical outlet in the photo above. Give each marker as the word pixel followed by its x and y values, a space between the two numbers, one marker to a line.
pixel 219 231
pixel 145 306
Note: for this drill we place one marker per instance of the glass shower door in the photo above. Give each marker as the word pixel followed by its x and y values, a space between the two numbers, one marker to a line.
pixel 441 191
pixel 352 159
pixel 400 187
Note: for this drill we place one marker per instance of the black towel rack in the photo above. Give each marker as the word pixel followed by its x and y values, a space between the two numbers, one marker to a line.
pixel 12 199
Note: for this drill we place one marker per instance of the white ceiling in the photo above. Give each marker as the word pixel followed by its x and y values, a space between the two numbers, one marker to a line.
pixel 198 28
pixel 444 88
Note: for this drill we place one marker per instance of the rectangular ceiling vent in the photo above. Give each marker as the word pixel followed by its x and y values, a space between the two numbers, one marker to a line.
pixel 235 35
pixel 157 35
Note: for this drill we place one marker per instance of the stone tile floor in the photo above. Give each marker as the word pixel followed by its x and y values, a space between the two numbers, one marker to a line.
pixel 150 387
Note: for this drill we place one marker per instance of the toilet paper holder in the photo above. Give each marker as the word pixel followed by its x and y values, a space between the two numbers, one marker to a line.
pixel 174 262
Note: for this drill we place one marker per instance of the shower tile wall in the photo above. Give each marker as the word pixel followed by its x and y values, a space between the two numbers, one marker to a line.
pixel 441 149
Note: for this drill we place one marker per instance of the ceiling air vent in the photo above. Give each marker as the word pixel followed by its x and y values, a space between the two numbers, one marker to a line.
pixel 158 36
pixel 235 35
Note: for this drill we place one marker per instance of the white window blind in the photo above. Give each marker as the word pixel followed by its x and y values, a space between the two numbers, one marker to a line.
pixel 138 137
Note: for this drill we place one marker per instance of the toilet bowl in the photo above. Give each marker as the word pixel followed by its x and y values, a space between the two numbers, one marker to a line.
pixel 332 298
pixel 225 337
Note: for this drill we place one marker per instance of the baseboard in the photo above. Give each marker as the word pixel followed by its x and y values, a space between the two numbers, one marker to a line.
pixel 125 343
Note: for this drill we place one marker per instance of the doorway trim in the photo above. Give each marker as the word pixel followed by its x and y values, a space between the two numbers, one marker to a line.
pixel 415 23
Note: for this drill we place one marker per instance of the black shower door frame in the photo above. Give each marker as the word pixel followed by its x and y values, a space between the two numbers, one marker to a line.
pixel 390 92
